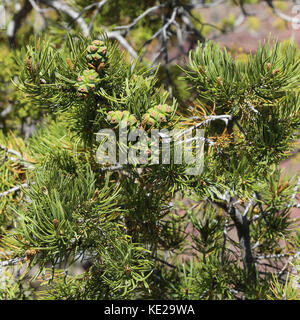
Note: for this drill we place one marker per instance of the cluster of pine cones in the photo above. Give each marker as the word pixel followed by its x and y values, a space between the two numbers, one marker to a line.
pixel 152 118
pixel 97 60
pixel 86 83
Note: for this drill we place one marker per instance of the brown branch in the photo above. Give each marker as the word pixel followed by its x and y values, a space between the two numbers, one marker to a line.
pixel 15 23
pixel 14 189
pixel 282 15
pixel 242 225
pixel 11 262
pixel 63 7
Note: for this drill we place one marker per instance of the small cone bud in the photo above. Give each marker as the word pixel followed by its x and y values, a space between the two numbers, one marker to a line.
pixel 55 223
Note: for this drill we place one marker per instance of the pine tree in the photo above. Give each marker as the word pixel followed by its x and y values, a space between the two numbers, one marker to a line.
pixel 150 230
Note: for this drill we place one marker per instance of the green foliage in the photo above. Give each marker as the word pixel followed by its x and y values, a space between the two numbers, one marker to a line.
pixel 147 231
pixel 285 291
pixel 12 288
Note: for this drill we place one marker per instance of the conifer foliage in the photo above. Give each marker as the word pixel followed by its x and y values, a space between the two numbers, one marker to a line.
pixel 150 230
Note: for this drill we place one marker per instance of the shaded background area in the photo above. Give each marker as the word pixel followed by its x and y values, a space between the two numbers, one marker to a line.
pixel 256 27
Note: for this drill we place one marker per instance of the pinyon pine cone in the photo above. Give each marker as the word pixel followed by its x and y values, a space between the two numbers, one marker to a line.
pixel 87 82
pixel 97 55
pixel 158 114
pixel 116 117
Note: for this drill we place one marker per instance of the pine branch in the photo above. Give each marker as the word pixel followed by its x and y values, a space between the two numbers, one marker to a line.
pixel 11 262
pixel 224 242
pixel 123 42
pixel 111 168
pixel 16 22
pixel 140 17
pixel 242 225
pixel 261 207
pixel 202 4
pixel 271 256
pixel 19 158
pixel 291 258
pixel 14 189
pixel 282 15
pixel 207 120
pixel 63 7
pixel 99 6
pixel 37 8
pixel 164 27
pixel 16 153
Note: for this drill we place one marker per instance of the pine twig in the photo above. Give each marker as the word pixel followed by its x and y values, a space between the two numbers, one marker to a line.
pixel 224 242
pixel 291 258
pixel 63 7
pixel 15 23
pixel 123 42
pixel 136 20
pixel 14 189
pixel 11 262
pixel 282 15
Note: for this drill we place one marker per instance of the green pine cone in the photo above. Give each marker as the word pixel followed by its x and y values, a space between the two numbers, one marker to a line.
pixel 96 54
pixel 164 108
pixel 83 89
pixel 87 82
pixel 148 120
pixel 153 113
pixel 154 116
pixel 162 118
pixel 116 117
pixel 132 120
